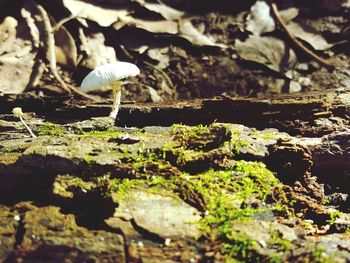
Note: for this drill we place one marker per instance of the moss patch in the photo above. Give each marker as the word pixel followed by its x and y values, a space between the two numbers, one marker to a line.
pixel 224 197
pixel 110 133
pixel 51 129
pixel 202 137
pixel 199 164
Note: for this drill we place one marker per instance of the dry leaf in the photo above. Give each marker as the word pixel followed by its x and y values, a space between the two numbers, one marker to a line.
pixel 289 14
pixel 309 35
pixel 66 50
pixel 8 34
pixel 168 27
pixel 269 51
pixel 33 29
pixel 294 87
pixel 192 34
pixel 154 96
pixel 167 12
pixel 259 20
pixel 16 55
pixel 97 52
pixel 104 16
pixel 160 55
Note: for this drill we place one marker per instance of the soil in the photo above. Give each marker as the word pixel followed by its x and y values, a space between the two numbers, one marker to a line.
pixel 203 72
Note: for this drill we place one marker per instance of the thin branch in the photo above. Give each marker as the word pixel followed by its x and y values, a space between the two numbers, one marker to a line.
pixel 84 95
pixel 39 65
pixel 295 41
pixel 60 23
pixel 49 46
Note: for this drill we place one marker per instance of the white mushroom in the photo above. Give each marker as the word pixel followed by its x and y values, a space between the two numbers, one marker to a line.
pixel 110 74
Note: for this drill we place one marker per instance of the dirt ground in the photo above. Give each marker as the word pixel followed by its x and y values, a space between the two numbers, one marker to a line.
pixel 196 70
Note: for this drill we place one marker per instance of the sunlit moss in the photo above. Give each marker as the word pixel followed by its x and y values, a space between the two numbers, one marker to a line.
pixel 319 256
pixel 268 135
pixel 51 129
pixel 227 195
pixel 333 216
pixel 110 133
pixel 201 137
pixel 233 193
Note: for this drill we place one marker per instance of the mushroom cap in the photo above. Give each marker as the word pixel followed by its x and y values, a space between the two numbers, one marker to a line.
pixel 107 74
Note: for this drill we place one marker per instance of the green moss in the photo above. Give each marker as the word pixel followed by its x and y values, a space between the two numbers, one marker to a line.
pixel 226 196
pixel 123 186
pixel 227 133
pixel 88 159
pixel 9 158
pixel 267 135
pixel 51 129
pixel 333 216
pixel 110 133
pixel 319 256
pixel 185 157
pixel 105 186
pixel 191 147
pixel 236 143
pixel 12 149
pixel 278 242
pixel 202 137
pixel 241 249
pixel 234 194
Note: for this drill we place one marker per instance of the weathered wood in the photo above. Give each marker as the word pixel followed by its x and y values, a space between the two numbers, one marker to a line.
pixel 310 114
pixel 78 172
pixel 331 158
pixel 31 102
pixel 304 114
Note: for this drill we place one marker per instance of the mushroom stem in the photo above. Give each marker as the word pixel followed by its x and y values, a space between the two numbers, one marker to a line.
pixel 27 127
pixel 116 89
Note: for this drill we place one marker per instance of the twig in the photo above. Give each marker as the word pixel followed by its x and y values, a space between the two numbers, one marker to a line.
pixel 37 71
pixel 48 46
pixel 60 23
pixel 84 95
pixel 295 41
pixel 39 65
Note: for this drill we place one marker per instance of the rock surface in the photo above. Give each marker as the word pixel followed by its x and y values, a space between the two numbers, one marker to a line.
pixel 160 214
pixel 88 192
